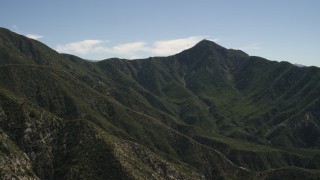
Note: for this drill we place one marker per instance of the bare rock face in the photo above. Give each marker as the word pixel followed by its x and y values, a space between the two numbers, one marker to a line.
pixel 14 163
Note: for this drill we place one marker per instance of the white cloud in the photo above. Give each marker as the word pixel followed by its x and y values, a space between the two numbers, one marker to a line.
pixel 34 36
pixel 127 48
pixel 97 48
pixel 79 47
pixel 15 27
pixel 169 47
pixel 214 40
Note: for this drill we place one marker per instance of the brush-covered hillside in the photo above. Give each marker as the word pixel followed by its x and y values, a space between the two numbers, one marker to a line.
pixel 205 113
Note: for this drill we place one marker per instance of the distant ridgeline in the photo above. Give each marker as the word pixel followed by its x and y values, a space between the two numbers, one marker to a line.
pixel 205 113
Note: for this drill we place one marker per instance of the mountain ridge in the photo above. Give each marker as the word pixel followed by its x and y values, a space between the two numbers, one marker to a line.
pixel 207 112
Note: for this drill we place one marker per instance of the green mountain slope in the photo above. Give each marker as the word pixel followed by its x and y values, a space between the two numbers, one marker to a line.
pixel 207 112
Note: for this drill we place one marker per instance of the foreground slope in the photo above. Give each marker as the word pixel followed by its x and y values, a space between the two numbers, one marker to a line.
pixel 200 114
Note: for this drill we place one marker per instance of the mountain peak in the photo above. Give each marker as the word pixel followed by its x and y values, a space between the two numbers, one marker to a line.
pixel 4 29
pixel 205 47
pixel 207 43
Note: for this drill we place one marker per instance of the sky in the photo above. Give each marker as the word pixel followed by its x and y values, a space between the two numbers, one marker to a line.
pixel 282 30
